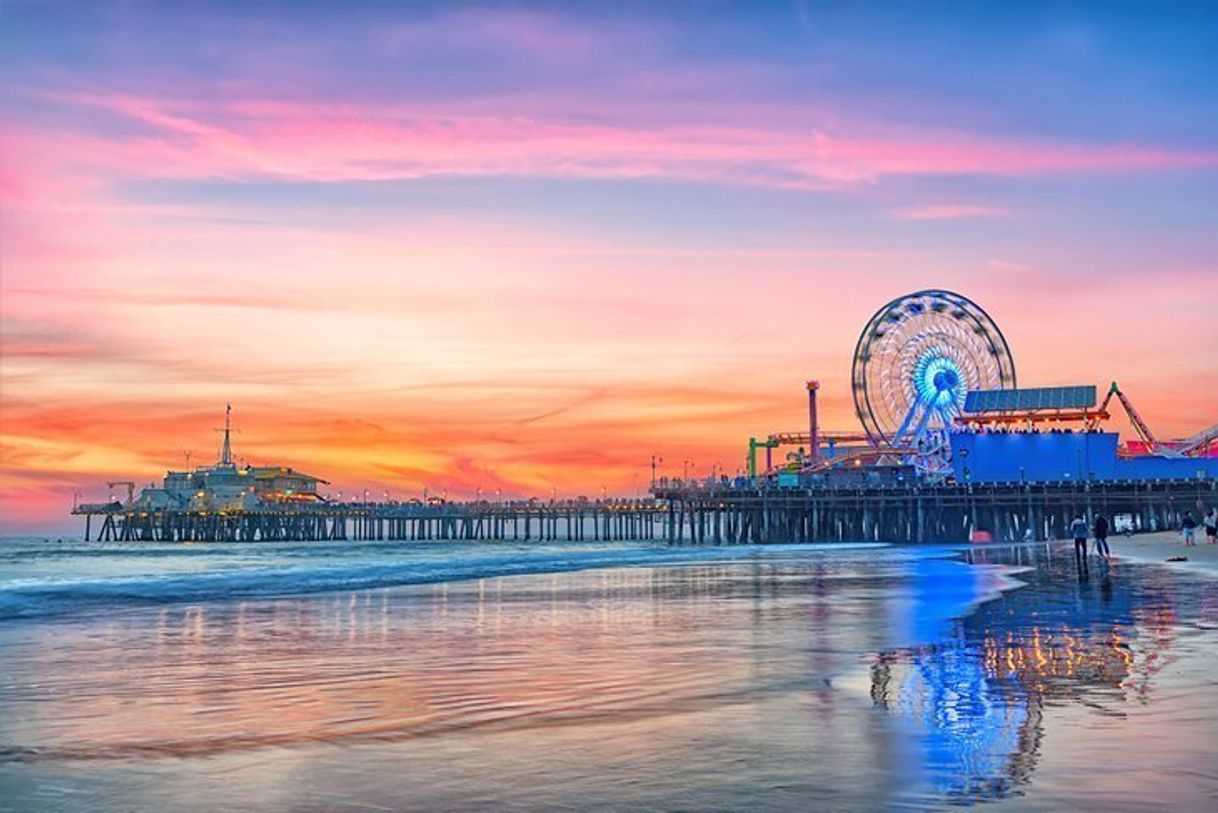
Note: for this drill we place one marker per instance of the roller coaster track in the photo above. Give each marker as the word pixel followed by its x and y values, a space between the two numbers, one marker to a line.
pixel 1199 443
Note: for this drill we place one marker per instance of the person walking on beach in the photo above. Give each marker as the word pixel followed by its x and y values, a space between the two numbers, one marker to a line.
pixel 1101 537
pixel 1079 529
pixel 1188 528
pixel 1211 526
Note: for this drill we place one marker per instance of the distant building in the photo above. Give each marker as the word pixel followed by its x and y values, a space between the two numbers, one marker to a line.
pixel 227 487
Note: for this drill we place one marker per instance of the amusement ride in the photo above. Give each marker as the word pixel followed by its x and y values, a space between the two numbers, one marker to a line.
pixel 932 363
pixel 915 361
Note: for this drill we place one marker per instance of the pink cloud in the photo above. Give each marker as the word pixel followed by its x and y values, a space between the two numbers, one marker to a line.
pixel 950 211
pixel 998 264
pixel 328 142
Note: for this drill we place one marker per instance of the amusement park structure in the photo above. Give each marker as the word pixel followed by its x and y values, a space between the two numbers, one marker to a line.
pixel 914 363
pixel 931 371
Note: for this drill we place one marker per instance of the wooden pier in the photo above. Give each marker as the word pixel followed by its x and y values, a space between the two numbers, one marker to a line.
pixel 579 520
pixel 698 513
pixel 720 514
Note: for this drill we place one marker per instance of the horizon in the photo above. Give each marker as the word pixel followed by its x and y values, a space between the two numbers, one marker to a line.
pixel 525 248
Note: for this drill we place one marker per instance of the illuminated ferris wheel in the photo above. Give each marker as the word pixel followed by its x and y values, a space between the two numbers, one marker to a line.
pixel 915 361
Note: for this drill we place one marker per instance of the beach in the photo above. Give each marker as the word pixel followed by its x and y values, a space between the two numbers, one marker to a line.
pixel 569 676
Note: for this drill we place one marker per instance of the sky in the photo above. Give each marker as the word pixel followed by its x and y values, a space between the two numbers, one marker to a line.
pixel 524 247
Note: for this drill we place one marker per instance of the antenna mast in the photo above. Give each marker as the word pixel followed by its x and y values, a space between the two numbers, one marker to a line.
pixel 226 451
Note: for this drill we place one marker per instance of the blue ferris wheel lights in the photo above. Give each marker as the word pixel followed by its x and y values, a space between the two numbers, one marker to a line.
pixel 939 382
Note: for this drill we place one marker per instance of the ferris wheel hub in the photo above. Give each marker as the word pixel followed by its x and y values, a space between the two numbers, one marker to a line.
pixel 946 380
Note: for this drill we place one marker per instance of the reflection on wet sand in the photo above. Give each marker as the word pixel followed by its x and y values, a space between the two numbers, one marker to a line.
pixel 712 687
pixel 391 665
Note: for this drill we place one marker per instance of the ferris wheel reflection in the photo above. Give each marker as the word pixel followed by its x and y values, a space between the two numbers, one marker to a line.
pixel 970 705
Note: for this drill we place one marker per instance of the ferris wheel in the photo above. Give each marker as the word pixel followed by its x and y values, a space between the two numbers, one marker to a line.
pixel 917 359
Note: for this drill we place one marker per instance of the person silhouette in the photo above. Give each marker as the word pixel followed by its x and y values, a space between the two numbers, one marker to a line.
pixel 1188 528
pixel 1100 529
pixel 1079 529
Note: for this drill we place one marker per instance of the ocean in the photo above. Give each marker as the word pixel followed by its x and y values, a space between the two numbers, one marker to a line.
pixel 334 676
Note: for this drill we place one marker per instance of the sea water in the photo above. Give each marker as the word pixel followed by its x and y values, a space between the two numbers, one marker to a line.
pixel 571 676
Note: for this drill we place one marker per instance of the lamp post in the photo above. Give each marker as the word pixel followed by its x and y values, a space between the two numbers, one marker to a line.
pixel 656 460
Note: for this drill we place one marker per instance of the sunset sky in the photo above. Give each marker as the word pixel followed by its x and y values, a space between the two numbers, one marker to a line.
pixel 526 246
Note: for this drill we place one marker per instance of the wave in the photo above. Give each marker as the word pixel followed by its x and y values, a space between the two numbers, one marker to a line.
pixel 46 597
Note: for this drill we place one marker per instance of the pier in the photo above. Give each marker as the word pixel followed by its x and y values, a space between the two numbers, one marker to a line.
pixel 708 513
pixel 524 521
pixel 697 512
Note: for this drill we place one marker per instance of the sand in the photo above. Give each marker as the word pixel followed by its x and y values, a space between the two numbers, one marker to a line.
pixel 1160 546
